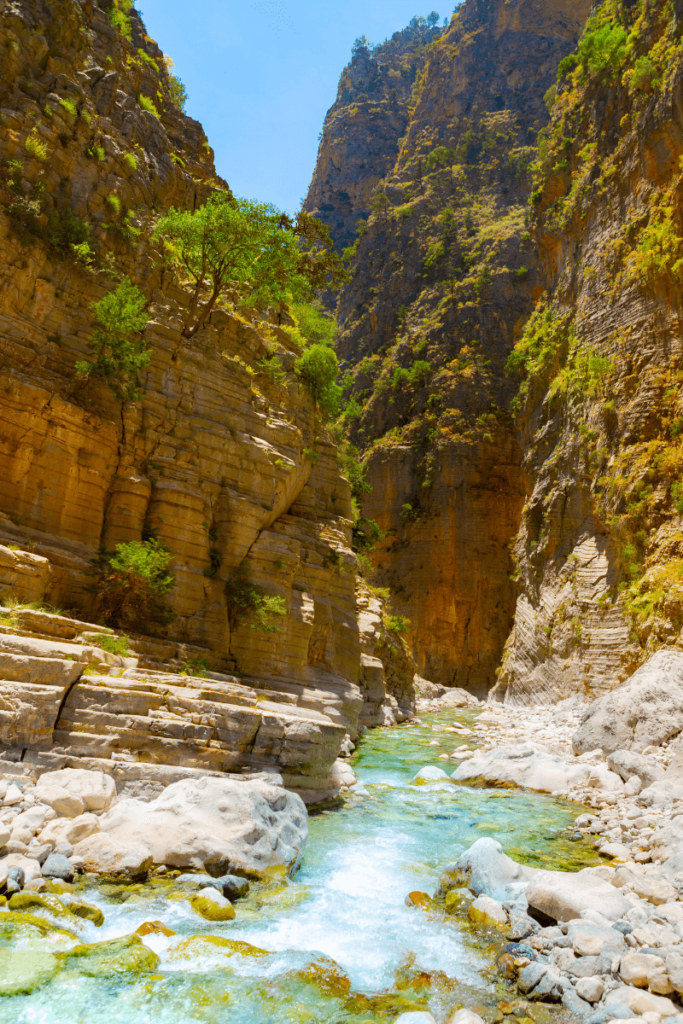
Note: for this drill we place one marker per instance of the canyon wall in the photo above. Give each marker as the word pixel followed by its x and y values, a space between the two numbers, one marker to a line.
pixel 444 277
pixel 599 557
pixel 223 461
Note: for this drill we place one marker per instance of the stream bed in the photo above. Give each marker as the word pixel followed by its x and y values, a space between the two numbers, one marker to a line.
pixel 338 942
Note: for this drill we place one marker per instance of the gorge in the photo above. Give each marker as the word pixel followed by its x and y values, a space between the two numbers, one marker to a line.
pixel 266 545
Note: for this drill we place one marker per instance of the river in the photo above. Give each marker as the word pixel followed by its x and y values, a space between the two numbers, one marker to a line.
pixel 343 945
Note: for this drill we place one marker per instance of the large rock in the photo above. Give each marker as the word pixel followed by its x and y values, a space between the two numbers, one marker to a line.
pixel 104 854
pixel 534 767
pixel 564 896
pixel 491 872
pixel 645 710
pixel 627 763
pixel 70 830
pixel 251 827
pixel 95 789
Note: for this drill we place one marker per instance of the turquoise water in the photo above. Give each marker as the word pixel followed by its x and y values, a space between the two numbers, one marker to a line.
pixel 341 943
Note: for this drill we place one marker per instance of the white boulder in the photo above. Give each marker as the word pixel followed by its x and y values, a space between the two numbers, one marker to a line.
pixel 645 710
pixel 106 855
pixel 95 789
pixel 534 767
pixel 251 826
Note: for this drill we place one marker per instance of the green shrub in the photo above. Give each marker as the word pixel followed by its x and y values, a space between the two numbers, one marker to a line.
pixel 549 98
pixel 197 667
pixel 68 105
pixel 119 645
pixel 118 16
pixel 602 48
pixel 66 232
pixel 644 74
pixel 150 61
pixel 132 584
pixel 147 104
pixel 177 93
pixel 35 147
pixel 396 623
pixel 114 203
pixel 252 249
pixel 248 602
pixel 416 377
pixel 119 355
pixel 318 368
pixel 96 152
pixel 132 161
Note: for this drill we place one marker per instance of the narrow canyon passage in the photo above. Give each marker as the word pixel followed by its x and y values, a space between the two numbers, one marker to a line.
pixel 342 944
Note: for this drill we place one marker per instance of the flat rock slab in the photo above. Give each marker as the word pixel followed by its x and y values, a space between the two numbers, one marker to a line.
pixel 535 768
pixel 564 896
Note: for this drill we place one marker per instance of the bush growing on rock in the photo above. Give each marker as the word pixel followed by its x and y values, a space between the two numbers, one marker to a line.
pixel 133 582
pixel 248 602
pixel 249 250
pixel 119 353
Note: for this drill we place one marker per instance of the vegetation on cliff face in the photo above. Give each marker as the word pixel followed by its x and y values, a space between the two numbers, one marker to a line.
pixel 600 398
pixel 443 277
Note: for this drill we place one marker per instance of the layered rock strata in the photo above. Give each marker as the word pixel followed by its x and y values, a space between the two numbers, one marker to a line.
pixel 599 552
pixel 443 278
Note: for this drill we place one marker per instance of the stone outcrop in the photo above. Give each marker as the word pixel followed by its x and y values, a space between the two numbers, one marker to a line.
pixel 443 279
pixel 599 552
pixel 362 131
pixel 223 461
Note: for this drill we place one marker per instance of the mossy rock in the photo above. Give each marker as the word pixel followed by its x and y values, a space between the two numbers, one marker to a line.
pixel 127 955
pixel 87 911
pixel 211 911
pixel 35 902
pixel 207 945
pixel 154 928
pixel 24 971
pixel 11 922
pixel 327 976
pixel 458 901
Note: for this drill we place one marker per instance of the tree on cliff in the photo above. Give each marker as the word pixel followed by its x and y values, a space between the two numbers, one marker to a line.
pixel 249 251
pixel 433 19
pixel 119 350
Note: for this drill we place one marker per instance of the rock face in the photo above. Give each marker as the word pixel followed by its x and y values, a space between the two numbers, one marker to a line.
pixel 251 827
pixel 225 464
pixel 599 549
pixel 443 279
pixel 363 129
pixel 646 710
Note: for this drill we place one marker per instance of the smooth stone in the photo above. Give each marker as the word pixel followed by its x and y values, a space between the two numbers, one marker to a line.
pixel 590 989
pixel 24 971
pixel 415 1017
pixel 487 911
pixel 587 966
pixel 212 905
pixel 654 890
pixel 575 1004
pixel 465 1016
pixel 629 763
pixel 491 872
pixel 96 790
pixel 530 976
pixel 126 955
pixel 56 866
pixel 612 1011
pixel 105 854
pixel 430 774
pixel 234 887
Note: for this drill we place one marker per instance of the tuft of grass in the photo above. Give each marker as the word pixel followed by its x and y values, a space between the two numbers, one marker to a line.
pixel 113 644
pixel 35 147
pixel 147 104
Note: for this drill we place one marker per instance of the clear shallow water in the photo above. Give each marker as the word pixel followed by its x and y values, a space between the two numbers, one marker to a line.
pixel 342 944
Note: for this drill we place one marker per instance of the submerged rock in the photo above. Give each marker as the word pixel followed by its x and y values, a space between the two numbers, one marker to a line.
pixel 24 971
pixel 212 905
pixel 127 955
pixel 430 774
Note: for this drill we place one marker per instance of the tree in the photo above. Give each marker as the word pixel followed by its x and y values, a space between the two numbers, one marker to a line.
pixel 252 250
pixel 119 352
pixel 318 368
pixel 132 584
pixel 433 19
pixel 361 48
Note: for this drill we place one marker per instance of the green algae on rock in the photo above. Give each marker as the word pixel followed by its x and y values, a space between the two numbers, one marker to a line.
pixel 13 923
pixel 210 945
pixel 35 902
pixel 24 971
pixel 218 909
pixel 127 955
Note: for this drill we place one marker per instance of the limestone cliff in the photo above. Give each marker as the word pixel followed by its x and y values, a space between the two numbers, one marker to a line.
pixel 360 138
pixel 444 277
pixel 219 458
pixel 600 551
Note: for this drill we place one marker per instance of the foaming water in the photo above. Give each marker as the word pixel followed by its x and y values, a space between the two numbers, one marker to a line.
pixel 340 944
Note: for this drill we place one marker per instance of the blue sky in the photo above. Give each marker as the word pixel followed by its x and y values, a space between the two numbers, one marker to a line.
pixel 261 75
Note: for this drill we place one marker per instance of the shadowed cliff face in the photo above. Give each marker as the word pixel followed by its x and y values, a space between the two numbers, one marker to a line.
pixel 599 555
pixel 444 277
pixel 361 133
